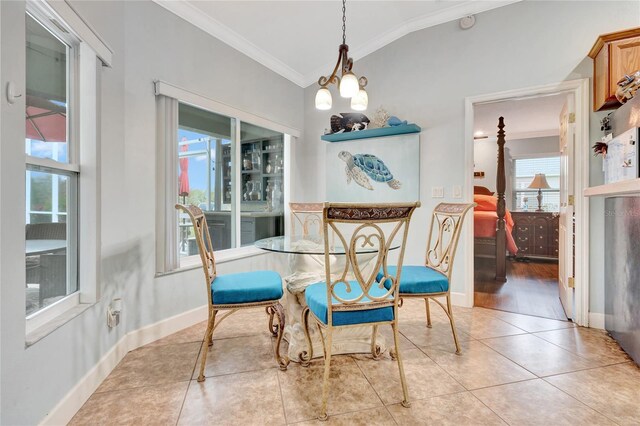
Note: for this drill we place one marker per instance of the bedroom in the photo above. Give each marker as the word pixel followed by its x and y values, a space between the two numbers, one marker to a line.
pixel 531 159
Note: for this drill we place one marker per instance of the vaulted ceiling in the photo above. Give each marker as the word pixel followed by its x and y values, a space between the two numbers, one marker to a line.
pixel 299 39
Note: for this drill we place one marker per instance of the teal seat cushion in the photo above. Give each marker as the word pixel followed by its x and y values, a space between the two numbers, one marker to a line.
pixel 246 287
pixel 418 280
pixel 316 297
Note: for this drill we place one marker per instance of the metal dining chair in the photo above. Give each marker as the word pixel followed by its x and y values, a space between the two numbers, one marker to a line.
pixel 308 216
pixel 233 292
pixel 349 296
pixel 434 278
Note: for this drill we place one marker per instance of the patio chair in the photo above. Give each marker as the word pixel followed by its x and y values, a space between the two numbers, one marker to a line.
pixel 233 292
pixel 349 296
pixel 434 278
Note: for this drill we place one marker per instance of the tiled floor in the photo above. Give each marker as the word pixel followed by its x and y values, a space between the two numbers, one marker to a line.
pixel 514 369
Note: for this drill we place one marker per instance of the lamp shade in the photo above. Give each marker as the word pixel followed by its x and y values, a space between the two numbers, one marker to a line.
pixel 360 101
pixel 323 99
pixel 349 85
pixel 539 182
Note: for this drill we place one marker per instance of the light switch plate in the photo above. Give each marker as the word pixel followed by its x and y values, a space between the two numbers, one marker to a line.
pixel 437 192
pixel 457 191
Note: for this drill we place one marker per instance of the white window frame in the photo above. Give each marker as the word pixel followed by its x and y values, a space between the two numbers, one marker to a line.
pixel 534 192
pixel 83 151
pixel 167 260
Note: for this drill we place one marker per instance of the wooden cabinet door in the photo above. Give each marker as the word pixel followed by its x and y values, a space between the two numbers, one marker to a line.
pixel 625 59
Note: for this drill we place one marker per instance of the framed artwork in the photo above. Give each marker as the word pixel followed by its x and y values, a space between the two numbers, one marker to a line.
pixel 383 169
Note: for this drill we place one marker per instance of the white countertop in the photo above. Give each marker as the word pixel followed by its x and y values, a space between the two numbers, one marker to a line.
pixel 625 187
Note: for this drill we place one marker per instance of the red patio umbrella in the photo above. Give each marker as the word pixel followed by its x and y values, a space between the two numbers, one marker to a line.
pixel 46 120
pixel 183 179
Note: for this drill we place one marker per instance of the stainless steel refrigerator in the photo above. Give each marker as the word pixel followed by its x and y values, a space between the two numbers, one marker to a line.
pixel 622 272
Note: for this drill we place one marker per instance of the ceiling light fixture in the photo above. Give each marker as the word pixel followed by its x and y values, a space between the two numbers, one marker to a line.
pixel 349 85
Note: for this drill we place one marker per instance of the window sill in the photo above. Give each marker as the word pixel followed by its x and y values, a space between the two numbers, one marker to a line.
pixel 54 323
pixel 224 256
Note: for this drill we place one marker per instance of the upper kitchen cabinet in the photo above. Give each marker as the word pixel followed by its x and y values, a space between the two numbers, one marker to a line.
pixel 614 55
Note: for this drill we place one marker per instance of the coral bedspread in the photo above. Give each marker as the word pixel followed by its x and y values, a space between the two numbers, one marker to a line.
pixel 484 223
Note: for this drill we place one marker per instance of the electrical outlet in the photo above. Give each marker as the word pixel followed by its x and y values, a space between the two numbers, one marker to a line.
pixel 457 191
pixel 437 192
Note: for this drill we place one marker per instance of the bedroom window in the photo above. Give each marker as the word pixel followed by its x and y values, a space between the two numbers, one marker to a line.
pixel 525 170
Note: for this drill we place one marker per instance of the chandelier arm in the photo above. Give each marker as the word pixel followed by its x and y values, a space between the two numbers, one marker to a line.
pixel 325 81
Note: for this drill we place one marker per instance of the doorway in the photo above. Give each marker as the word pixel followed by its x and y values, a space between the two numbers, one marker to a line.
pixel 546 165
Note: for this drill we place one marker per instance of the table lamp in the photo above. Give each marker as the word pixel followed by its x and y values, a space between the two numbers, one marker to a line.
pixel 539 182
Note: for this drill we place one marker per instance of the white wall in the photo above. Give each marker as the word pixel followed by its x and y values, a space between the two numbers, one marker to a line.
pixel 149 43
pixel 425 76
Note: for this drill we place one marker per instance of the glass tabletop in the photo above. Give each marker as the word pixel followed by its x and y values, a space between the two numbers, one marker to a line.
pixel 307 245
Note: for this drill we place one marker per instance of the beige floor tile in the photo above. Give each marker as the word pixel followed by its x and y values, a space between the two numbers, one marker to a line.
pixel 482 326
pixel 613 391
pixel 237 355
pixel 456 409
pixel 153 366
pixel 424 378
pixel 373 417
pixel 478 366
pixel 589 343
pixel 438 335
pixel 157 405
pixel 349 390
pixel 247 322
pixel 387 333
pixel 531 324
pixel 537 355
pixel 195 333
pixel 241 399
pixel 536 402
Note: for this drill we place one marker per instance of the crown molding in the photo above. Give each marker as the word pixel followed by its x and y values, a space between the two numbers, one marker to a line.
pixel 185 10
pixel 196 17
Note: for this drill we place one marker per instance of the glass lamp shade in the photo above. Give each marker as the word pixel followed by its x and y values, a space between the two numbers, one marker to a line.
pixel 349 85
pixel 323 99
pixel 360 101
pixel 539 182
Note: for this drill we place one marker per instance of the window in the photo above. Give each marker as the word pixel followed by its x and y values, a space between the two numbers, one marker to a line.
pixel 229 163
pixel 525 170
pixel 51 168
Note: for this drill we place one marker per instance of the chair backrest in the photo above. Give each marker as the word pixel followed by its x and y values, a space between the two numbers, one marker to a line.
pixel 46 231
pixel 308 216
pixel 376 227
pixel 203 239
pixel 444 233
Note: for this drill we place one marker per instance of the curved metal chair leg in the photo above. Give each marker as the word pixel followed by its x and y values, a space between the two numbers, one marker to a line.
pixel 453 325
pixel 206 342
pixel 327 369
pixel 403 380
pixel 426 304
pixel 375 348
pixel 277 330
pixel 305 357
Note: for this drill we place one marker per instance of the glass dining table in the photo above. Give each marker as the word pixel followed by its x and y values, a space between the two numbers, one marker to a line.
pixel 305 263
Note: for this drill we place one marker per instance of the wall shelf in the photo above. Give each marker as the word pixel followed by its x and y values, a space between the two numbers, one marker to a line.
pixel 372 133
pixel 625 187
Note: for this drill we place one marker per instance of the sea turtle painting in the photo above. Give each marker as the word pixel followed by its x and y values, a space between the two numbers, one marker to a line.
pixel 361 167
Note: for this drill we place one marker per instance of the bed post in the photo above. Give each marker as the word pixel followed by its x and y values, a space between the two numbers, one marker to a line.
pixel 501 237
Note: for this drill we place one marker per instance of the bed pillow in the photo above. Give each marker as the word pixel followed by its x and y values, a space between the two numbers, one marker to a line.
pixel 485 203
pixel 482 190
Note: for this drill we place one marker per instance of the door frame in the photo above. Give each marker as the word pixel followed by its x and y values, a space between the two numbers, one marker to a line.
pixel 580 89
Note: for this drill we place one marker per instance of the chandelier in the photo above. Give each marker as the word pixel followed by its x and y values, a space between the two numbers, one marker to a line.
pixel 349 85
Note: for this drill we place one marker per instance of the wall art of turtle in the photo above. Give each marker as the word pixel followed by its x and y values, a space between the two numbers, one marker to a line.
pixel 381 169
pixel 362 168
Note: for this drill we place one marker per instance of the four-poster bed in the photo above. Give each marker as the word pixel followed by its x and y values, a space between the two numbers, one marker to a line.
pixel 492 220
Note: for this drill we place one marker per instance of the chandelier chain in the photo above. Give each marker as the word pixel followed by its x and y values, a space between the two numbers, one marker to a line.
pixel 344 21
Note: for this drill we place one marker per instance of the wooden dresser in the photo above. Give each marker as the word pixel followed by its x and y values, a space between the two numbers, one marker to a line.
pixel 536 233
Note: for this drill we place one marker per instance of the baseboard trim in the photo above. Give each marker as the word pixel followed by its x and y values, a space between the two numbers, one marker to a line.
pixel 64 411
pixel 596 320
pixel 460 299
